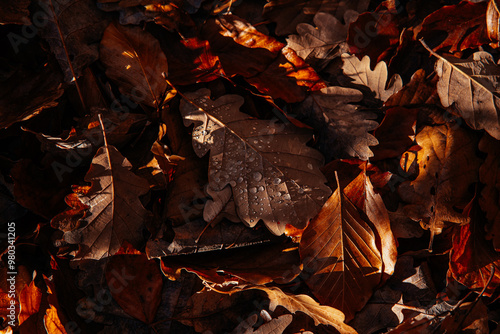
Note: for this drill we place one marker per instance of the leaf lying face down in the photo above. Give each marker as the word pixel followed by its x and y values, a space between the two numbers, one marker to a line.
pixel 274 176
pixel 111 209
pixel 471 87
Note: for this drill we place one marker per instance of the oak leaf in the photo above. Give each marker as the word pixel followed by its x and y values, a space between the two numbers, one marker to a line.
pixel 135 61
pixel 375 80
pixel 343 129
pixel 319 45
pixel 275 326
pixel 447 167
pixel 471 88
pixel 110 210
pixel 340 256
pixel 273 174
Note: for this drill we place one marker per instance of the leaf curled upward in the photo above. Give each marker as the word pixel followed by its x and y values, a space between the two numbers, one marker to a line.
pixel 113 210
pixel 273 174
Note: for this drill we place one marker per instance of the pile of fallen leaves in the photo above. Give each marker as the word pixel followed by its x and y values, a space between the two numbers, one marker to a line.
pixel 280 166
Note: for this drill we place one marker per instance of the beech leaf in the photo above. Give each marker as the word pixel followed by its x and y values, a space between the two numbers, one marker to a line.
pixel 273 174
pixel 340 256
pixel 135 61
pixel 471 87
pixel 113 211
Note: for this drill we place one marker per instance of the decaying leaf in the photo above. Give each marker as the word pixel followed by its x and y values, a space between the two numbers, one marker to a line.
pixel 489 175
pixel 447 167
pixel 275 326
pixel 470 86
pixel 273 174
pixel 360 73
pixel 135 61
pixel 340 256
pixel 343 130
pixel 112 210
pixel 73 32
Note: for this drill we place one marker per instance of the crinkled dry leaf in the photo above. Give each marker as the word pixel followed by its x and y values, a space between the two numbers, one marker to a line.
pixel 318 46
pixel 275 326
pixel 113 210
pixel 471 87
pixel 464 23
pixel 289 13
pixel 375 80
pixel 273 174
pixel 489 174
pixel 420 90
pixel 73 32
pixel 343 130
pixel 447 167
pixel 135 61
pixel 340 256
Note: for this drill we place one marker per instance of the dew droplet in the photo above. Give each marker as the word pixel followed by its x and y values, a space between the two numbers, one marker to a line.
pixel 301 191
pixel 310 166
pixel 253 190
pixel 251 158
pixel 286 197
pixel 261 188
pixel 240 179
pixel 204 132
pixel 257 176
pixel 276 181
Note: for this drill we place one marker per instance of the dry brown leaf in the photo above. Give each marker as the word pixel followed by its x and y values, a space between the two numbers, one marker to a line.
pixel 471 87
pixel 318 46
pixel 447 167
pixel 135 61
pixel 140 294
pixel 343 130
pixel 273 174
pixel 275 326
pixel 113 212
pixel 340 256
pixel 289 13
pixel 421 89
pixel 361 193
pixel 375 80
pixel 489 175
pixel 15 12
pixel 24 93
pixel 73 32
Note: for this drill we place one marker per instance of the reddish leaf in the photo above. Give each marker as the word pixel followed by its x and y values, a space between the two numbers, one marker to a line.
pixel 135 283
pixel 465 25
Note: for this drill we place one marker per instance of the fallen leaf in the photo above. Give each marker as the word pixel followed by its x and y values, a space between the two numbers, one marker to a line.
pixel 52 322
pixel 273 68
pixel 134 60
pixel 420 90
pixel 375 80
pixel 73 31
pixel 289 13
pixel 489 174
pixel 470 87
pixel 15 12
pixel 343 130
pixel 319 45
pixel 275 326
pixel 361 193
pixel 25 93
pixel 264 162
pixel 113 212
pixel 396 133
pixel 464 24
pixel 136 284
pixel 340 256
pixel 30 301
pixel 447 167
pixel 473 260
